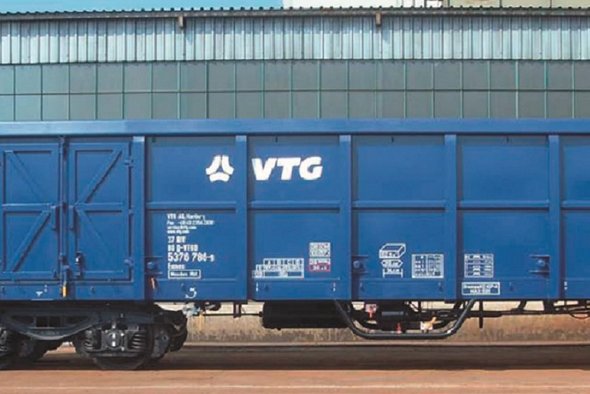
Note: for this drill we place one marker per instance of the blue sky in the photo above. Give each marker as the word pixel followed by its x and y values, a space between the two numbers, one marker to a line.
pixel 77 5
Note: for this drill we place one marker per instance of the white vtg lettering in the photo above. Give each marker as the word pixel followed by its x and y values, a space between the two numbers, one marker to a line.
pixel 310 168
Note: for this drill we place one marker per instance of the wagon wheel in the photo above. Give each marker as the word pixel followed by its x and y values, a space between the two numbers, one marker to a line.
pixel 32 350
pixel 153 361
pixel 7 360
pixel 9 348
pixel 121 363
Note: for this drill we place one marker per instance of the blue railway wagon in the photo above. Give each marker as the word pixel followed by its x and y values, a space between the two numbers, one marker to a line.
pixel 329 223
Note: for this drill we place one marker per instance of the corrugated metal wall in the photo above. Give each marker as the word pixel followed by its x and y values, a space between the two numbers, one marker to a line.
pixel 296 89
pixel 361 3
pixel 295 64
pixel 518 3
pixel 403 37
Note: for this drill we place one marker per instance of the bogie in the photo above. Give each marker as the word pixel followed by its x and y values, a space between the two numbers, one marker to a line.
pixel 124 337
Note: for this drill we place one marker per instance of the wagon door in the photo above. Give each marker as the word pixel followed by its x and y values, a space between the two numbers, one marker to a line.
pixel 99 212
pixel 29 193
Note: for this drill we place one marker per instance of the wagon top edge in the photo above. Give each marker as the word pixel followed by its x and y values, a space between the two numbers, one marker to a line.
pixel 294 127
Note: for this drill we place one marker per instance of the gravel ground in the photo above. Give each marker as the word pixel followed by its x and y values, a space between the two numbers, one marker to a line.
pixel 332 368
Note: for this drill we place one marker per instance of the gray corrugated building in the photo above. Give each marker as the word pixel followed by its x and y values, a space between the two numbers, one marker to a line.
pixel 295 63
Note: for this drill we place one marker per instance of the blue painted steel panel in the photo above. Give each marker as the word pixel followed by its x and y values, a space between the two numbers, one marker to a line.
pixel 194 224
pixel 98 195
pixel 29 185
pixel 98 192
pixel 399 202
pixel 295 210
pixel 295 188
pixel 575 206
pixel 61 203
pixel 505 213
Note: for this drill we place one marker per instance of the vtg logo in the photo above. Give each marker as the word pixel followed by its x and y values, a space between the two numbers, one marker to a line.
pixel 220 169
pixel 308 169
